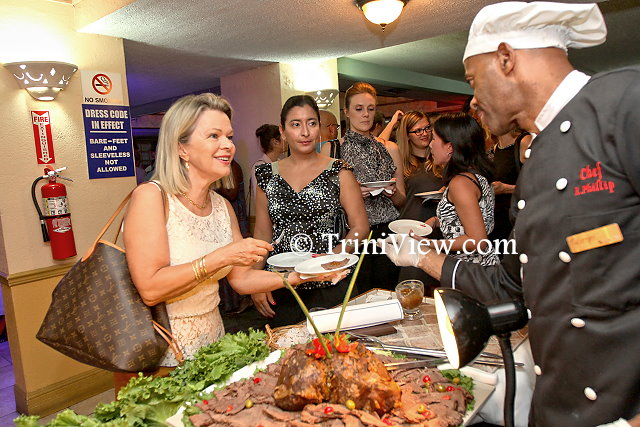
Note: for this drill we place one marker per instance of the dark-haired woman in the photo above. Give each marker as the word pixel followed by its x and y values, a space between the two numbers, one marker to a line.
pixel 297 201
pixel 272 146
pixel 465 213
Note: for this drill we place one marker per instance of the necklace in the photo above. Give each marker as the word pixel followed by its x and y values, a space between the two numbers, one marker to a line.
pixel 202 206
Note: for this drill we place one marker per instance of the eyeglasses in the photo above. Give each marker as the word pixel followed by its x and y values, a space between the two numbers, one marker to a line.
pixel 421 131
pixel 333 124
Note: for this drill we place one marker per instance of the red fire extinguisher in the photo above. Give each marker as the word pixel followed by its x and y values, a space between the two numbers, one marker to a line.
pixel 56 220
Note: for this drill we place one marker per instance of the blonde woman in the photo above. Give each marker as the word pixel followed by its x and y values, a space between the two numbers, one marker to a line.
pixel 413 137
pixel 178 257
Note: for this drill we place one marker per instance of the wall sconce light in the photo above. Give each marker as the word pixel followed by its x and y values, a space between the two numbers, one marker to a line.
pixel 42 79
pixel 324 98
pixel 466 326
pixel 381 12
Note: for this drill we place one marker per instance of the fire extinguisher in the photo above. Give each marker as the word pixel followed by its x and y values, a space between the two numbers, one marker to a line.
pixel 56 221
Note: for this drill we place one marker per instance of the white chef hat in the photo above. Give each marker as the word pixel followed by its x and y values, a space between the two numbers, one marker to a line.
pixel 535 25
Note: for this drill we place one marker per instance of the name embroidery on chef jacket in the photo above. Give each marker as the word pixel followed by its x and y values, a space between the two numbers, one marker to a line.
pixel 589 172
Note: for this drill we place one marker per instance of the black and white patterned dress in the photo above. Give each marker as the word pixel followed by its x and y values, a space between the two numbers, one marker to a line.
pixel 371 162
pixel 311 211
pixel 451 226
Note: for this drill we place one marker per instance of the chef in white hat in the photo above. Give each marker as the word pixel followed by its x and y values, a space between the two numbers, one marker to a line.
pixel 577 207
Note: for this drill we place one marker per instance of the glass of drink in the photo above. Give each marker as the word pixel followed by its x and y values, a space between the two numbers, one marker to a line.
pixel 410 294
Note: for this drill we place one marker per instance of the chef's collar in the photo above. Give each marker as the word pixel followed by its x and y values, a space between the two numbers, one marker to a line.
pixel 565 92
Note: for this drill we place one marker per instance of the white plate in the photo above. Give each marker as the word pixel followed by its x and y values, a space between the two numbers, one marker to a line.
pixel 427 195
pixel 404 226
pixel 288 259
pixel 314 267
pixel 376 184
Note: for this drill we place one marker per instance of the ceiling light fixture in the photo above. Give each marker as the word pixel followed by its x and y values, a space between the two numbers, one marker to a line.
pixel 324 98
pixel 42 79
pixel 381 12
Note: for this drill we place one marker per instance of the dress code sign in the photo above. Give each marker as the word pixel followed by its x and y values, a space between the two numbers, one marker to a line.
pixel 107 130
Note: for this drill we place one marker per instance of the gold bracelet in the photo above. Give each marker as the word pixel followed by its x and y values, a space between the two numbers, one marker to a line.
pixel 203 268
pixel 194 266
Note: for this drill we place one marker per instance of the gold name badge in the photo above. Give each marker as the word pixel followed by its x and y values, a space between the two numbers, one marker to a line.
pixel 596 238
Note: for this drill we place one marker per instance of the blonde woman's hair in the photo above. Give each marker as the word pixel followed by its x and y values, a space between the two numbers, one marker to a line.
pixel 178 124
pixel 409 162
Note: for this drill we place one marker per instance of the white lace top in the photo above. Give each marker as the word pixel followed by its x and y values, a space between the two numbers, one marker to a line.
pixel 194 317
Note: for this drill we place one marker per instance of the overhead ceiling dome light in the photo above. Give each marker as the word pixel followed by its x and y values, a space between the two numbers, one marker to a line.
pixel 381 12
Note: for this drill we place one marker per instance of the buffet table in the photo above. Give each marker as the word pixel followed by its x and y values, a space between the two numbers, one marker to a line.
pixel 424 333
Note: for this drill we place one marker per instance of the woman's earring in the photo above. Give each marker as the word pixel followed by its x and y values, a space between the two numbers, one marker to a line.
pixel 186 164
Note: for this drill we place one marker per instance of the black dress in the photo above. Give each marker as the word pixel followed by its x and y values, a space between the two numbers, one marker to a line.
pixel 310 212
pixel 506 171
pixel 421 181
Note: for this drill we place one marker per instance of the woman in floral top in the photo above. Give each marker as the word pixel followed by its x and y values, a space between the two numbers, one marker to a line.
pixel 373 159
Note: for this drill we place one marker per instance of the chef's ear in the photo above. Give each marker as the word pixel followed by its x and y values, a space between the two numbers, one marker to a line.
pixel 506 57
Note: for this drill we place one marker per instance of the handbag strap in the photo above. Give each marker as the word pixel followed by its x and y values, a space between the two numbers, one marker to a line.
pixel 165 206
pixel 169 338
pixel 121 206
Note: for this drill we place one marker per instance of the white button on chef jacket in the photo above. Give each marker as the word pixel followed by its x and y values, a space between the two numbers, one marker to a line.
pixel 564 257
pixel 590 393
pixel 527 153
pixel 561 184
pixel 521 204
pixel 565 126
pixel 577 322
pixel 523 258
pixel 537 370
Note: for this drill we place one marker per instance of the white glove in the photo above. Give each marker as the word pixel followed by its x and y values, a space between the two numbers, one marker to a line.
pixel 619 423
pixel 402 250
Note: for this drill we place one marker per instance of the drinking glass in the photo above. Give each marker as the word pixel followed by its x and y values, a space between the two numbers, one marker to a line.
pixel 410 294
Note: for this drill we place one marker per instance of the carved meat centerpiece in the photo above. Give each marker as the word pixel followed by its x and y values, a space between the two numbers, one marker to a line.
pixel 352 388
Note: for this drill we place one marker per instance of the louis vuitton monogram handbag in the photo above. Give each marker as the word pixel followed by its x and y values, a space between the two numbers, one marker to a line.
pixel 97 316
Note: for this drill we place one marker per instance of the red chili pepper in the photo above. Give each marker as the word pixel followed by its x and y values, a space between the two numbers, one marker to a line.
pixel 229 408
pixel 427 414
pixel 450 388
pixel 446 397
pixel 328 410
pixel 426 379
pixel 387 421
pixel 342 345
pixel 206 402
pixel 256 380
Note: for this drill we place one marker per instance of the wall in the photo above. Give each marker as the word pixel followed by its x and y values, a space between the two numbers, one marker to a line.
pixel 43 30
pixel 255 98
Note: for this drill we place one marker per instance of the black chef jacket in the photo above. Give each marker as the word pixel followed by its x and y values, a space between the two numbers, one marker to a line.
pixel 583 172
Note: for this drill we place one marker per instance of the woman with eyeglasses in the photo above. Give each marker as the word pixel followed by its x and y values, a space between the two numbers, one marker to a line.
pixel 373 160
pixel 413 137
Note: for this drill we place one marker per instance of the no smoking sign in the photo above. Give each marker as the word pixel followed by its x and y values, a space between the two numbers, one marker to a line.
pixel 102 84
pixel 101 87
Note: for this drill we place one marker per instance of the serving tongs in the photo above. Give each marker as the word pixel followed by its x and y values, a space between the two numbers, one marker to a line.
pixel 417 351
pixel 426 363
pixel 485 358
